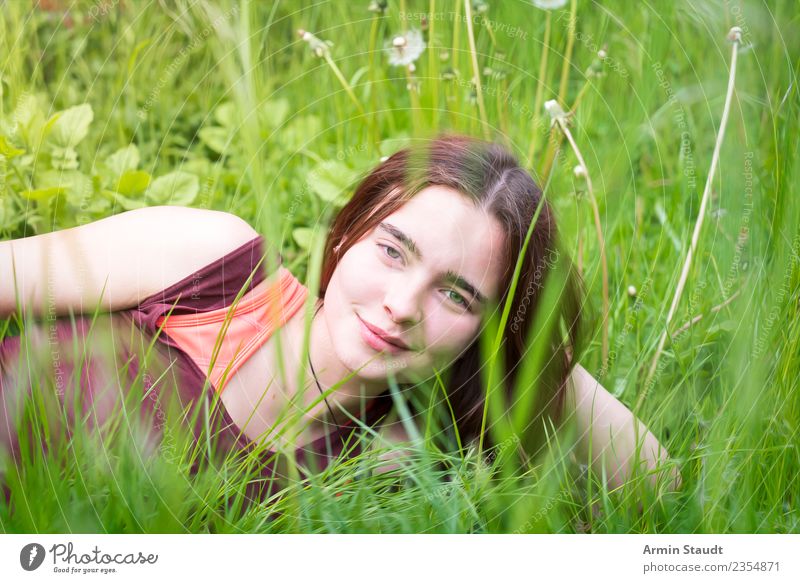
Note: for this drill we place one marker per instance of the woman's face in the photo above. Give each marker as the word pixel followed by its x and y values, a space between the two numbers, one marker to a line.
pixel 423 291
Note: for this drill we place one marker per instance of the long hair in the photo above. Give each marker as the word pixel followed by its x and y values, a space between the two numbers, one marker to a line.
pixel 491 176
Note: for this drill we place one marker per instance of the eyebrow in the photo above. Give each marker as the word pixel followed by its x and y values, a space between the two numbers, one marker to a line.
pixel 450 276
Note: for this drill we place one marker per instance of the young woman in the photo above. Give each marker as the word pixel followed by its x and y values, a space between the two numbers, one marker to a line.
pixel 413 266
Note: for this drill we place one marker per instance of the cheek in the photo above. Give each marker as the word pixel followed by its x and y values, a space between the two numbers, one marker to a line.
pixel 341 288
pixel 449 333
pixel 355 274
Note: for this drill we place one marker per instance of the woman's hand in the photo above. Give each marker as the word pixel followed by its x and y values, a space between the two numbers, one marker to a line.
pixel 393 433
pixel 609 430
pixel 605 426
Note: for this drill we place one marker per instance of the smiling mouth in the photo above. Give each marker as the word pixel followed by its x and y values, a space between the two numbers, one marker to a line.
pixel 377 342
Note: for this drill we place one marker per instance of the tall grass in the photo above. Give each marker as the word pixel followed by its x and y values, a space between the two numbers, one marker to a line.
pixel 724 396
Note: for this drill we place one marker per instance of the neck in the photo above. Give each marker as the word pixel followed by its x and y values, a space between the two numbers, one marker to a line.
pixel 330 370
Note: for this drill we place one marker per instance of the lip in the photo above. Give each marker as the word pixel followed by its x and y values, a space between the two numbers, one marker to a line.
pixel 378 339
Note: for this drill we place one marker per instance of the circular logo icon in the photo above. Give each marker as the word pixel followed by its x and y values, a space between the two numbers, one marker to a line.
pixel 31 556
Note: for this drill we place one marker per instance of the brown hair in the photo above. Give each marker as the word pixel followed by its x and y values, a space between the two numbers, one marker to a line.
pixel 494 180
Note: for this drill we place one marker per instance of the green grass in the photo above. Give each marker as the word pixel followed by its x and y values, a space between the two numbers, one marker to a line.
pixel 231 98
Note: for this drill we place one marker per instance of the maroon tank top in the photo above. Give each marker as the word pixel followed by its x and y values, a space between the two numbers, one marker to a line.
pixel 213 286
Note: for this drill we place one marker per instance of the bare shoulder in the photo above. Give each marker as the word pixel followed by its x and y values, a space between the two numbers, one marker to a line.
pixel 195 237
pixel 116 261
pixel 221 227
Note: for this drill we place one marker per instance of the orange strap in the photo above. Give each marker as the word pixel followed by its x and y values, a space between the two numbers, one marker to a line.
pixel 260 312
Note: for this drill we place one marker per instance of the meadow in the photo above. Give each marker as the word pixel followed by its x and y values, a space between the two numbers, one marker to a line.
pixel 273 110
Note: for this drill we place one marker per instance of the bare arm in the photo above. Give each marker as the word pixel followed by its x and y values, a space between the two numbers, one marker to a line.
pixel 609 429
pixel 392 431
pixel 115 262
pixel 604 425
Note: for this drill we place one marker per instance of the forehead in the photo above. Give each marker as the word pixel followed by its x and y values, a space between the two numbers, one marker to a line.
pixel 451 233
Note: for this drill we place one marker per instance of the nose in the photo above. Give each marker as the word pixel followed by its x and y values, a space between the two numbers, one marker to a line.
pixel 402 304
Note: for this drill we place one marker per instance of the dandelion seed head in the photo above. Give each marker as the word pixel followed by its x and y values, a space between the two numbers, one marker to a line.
pixel 579 171
pixel 549 4
pixel 405 49
pixel 735 35
pixel 378 6
pixel 480 6
pixel 632 291
pixel 555 110
pixel 319 46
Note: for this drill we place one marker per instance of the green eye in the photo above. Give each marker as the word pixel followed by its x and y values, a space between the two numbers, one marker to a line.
pixel 388 249
pixel 458 299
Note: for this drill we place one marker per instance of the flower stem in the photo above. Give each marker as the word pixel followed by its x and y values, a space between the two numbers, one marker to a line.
pixel 373 36
pixel 735 36
pixel 537 106
pixel 433 69
pixel 561 122
pixel 455 110
pixel 416 107
pixel 562 89
pixel 344 83
pixel 473 53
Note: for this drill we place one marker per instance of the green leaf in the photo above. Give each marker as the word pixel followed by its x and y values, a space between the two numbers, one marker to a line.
pixel 72 126
pixel 29 120
pixel 7 150
pixel 127 203
pixel 720 328
pixel 48 126
pixel 391 145
pixel 177 188
pixel 301 131
pixel 273 112
pixel 135 54
pixel 78 187
pixel 199 166
pixel 124 159
pixel 133 182
pixel 43 193
pixel 98 206
pixel 303 237
pixel 226 115
pixel 331 180
pixel 216 138
pixel 63 158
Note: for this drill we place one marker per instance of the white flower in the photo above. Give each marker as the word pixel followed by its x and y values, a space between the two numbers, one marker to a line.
pixel 405 49
pixel 319 47
pixel 555 110
pixel 549 4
